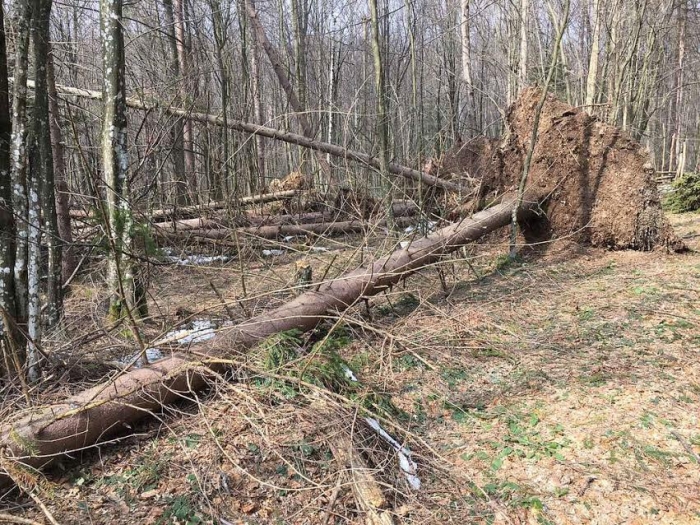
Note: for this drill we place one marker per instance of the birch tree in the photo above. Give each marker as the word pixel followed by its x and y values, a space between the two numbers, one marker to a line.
pixel 18 158
pixel 523 55
pixel 120 277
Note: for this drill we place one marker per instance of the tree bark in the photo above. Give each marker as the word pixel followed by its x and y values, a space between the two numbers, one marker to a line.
pixel 185 89
pixel 292 138
pixel 465 25
pixel 109 409
pixel 244 201
pixel 43 165
pixel 182 196
pixel 68 258
pixel 522 62
pixel 401 209
pixel 382 124
pixel 273 232
pixel 18 158
pixel 278 68
pixel 115 160
pixel 7 223
pixel 593 61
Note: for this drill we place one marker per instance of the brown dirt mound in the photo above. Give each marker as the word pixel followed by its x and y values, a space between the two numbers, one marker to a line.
pixel 471 159
pixel 600 181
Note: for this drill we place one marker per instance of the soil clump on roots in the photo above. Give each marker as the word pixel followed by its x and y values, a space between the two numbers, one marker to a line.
pixel 600 181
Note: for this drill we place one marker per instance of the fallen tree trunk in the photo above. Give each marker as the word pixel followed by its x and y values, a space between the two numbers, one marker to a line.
pixel 243 201
pixel 401 209
pixel 275 231
pixel 40 435
pixel 189 211
pixel 277 134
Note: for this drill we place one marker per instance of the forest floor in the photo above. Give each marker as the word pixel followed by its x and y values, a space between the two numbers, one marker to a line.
pixel 561 388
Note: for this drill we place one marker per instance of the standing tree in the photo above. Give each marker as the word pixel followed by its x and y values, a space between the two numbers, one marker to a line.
pixel 7 225
pixel 115 160
pixel 18 158
pixel 43 172
pixel 382 121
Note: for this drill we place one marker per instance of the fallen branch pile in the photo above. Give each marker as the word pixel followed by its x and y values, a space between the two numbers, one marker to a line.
pixel 94 416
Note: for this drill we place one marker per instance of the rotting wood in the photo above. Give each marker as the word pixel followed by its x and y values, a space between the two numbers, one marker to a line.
pixel 366 490
pixel 38 436
pixel 277 134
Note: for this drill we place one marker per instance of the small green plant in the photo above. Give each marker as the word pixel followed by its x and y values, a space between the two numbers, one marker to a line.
pixel 180 510
pixel 453 376
pixel 685 195
pixel 284 355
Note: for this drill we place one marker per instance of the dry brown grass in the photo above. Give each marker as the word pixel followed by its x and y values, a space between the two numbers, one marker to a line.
pixel 559 389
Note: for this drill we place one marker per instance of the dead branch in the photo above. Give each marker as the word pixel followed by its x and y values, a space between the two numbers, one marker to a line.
pixel 277 134
pixel 94 416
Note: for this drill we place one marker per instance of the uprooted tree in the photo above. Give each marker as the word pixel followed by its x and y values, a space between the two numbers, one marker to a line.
pixel 589 183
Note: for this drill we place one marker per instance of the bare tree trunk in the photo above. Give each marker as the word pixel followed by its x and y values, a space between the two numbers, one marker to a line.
pixel 104 410
pixel 43 165
pixel 258 111
pixel 593 61
pixel 291 138
pixel 220 32
pixel 68 259
pixel 182 197
pixel 522 63
pixel 382 117
pixel 185 87
pixel 465 24
pixel 18 158
pixel 320 229
pixel 115 160
pixel 7 222
pixel 682 22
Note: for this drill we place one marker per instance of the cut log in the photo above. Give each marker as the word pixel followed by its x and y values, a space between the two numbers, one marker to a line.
pixel 277 134
pixel 40 435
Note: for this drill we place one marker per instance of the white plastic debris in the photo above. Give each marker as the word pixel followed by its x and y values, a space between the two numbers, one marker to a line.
pixel 202 330
pixel 349 374
pixel 196 260
pixel 407 465
pixel 426 226
pixel 404 244
pixel 272 253
pixel 152 354
pixel 318 249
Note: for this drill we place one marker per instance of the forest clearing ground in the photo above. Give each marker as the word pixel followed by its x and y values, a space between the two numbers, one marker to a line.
pixel 558 389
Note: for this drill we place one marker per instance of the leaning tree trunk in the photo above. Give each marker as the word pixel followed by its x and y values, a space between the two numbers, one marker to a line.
pixel 99 413
pixel 278 68
pixel 277 134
